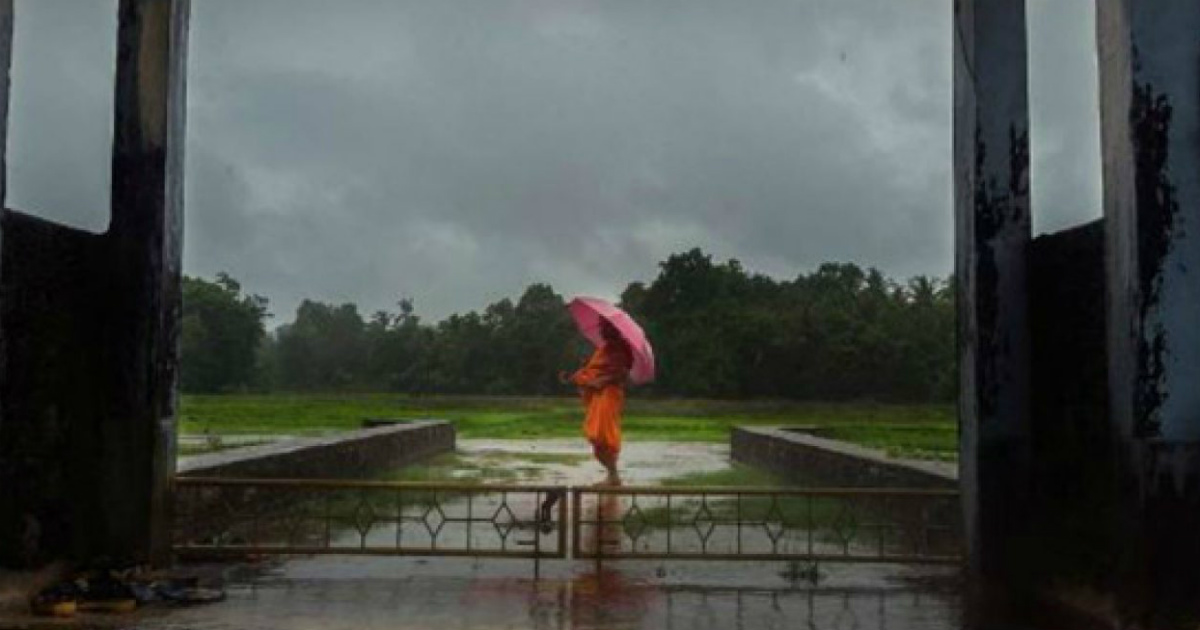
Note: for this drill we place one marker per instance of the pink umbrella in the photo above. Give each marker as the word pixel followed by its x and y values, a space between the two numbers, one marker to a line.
pixel 589 312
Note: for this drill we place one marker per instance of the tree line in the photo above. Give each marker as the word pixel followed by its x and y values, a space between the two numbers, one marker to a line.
pixel 840 332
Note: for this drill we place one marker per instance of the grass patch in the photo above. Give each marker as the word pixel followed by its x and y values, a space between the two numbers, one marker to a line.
pixel 685 510
pixel 445 468
pixel 736 475
pixel 922 440
pixel 454 468
pixel 926 429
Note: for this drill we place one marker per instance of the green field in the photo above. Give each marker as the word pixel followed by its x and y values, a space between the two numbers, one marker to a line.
pixel 926 431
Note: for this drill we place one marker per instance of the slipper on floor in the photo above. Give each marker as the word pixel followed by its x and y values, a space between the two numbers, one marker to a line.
pixel 189 595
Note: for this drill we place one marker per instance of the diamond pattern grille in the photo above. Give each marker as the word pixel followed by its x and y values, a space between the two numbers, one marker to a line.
pixel 231 516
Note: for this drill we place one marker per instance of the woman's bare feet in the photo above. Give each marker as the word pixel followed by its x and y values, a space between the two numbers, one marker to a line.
pixel 610 480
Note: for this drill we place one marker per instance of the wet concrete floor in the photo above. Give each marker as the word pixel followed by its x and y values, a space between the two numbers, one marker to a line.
pixel 333 592
pixel 493 594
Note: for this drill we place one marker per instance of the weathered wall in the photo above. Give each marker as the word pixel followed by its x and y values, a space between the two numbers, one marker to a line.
pixel 1150 119
pixel 1151 128
pixel 356 454
pixel 52 416
pixel 811 459
pixel 992 233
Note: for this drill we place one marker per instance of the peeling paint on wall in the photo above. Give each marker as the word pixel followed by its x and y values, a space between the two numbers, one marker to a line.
pixel 1000 207
pixel 1150 118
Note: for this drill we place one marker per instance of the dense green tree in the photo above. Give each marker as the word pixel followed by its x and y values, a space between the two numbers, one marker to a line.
pixel 840 332
pixel 324 348
pixel 543 339
pixel 222 332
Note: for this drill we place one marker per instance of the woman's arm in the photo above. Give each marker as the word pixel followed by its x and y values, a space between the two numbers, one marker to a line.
pixel 614 376
pixel 580 379
pixel 600 371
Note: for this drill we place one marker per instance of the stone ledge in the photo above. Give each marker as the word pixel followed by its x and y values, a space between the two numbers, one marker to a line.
pixel 793 453
pixel 354 454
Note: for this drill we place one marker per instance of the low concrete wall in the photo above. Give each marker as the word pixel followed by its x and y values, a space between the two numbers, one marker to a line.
pixel 806 457
pixel 355 454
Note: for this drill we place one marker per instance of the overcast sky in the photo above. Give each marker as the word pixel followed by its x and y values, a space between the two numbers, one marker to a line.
pixel 455 151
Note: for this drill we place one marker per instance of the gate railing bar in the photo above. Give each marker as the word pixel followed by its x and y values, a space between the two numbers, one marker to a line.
pixel 766 491
pixel 354 484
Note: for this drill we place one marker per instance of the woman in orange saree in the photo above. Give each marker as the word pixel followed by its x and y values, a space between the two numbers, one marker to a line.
pixel 601 384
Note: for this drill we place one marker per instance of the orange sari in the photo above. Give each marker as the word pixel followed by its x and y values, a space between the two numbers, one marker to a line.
pixel 601 384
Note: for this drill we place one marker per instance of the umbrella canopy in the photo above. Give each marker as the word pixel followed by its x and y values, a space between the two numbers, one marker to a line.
pixel 589 312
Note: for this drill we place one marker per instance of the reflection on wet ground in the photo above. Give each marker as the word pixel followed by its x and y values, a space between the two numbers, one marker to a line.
pixel 569 462
pixel 331 592
pixel 457 593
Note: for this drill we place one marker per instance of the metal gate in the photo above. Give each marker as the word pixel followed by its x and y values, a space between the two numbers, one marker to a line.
pixel 813 524
pixel 222 516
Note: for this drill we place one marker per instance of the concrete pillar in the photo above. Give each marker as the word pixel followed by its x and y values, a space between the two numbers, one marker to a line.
pixel 6 48
pixel 992 224
pixel 6 40
pixel 145 241
pixel 1150 119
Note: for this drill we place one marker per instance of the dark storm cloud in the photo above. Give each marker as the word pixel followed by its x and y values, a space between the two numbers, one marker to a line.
pixel 456 151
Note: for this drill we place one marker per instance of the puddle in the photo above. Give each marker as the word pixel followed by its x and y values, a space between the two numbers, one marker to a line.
pixel 332 592
pixel 569 462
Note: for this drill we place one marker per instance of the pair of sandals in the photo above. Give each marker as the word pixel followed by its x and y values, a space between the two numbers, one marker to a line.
pixel 100 593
